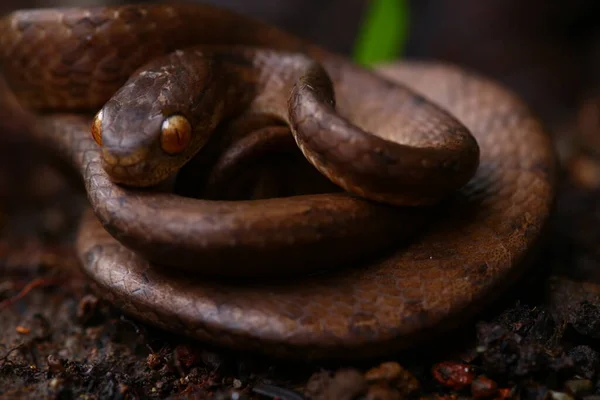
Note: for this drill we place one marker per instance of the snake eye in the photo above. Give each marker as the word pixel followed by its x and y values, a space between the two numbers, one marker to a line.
pixel 176 134
pixel 97 128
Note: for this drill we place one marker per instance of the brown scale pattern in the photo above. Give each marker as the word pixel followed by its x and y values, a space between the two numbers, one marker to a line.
pixel 474 249
pixel 481 239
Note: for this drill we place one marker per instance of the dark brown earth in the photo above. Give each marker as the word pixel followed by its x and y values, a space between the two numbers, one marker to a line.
pixel 540 341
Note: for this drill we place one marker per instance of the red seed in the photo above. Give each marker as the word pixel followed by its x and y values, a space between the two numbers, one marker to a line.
pixel 453 375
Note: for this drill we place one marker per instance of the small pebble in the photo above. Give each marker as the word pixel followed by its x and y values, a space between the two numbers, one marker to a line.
pixel 394 373
pixel 55 383
pixel 346 385
pixel 317 384
pixel 381 391
pixel 237 383
pixel 72 344
pixel 55 364
pixel 453 375
pixel 89 370
pixel 64 353
pixel 387 371
pixel 22 330
pixel 561 396
pixel 579 387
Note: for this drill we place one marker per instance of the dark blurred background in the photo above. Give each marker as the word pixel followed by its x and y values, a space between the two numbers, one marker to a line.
pixel 549 51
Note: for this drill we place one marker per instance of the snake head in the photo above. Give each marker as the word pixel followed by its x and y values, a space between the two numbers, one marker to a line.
pixel 157 121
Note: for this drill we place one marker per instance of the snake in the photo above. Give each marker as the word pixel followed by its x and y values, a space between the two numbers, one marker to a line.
pixel 442 180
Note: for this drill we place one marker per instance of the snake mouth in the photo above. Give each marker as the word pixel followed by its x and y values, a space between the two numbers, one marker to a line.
pixel 131 169
pixel 124 159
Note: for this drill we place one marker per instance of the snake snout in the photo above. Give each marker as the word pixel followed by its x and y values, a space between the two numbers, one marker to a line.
pixel 130 168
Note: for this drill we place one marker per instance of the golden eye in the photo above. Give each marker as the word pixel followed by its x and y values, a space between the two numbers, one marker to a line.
pixel 176 134
pixel 97 128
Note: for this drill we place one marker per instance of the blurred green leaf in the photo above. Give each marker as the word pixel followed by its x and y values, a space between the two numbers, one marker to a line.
pixel 383 32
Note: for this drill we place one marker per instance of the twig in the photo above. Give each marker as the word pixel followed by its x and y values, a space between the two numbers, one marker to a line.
pixel 40 282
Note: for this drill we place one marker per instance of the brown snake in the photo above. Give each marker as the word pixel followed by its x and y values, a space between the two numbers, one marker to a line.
pixel 484 200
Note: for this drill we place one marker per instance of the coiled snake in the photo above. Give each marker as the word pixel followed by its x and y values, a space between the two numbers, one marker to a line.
pixel 446 179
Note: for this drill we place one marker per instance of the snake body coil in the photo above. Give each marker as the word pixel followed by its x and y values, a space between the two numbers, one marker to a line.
pixel 161 78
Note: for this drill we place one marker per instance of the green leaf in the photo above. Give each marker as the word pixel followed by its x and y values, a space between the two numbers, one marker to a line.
pixel 383 32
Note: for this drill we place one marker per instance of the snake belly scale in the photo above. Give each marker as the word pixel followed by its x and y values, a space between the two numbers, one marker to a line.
pixel 448 178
